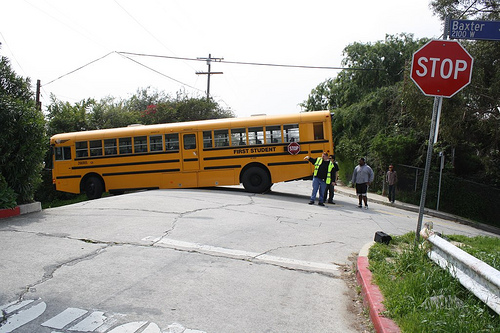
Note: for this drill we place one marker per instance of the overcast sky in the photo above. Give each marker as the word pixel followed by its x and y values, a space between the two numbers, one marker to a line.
pixel 46 39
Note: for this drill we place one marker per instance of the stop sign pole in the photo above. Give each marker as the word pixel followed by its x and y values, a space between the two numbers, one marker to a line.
pixel 441 69
pixel 436 113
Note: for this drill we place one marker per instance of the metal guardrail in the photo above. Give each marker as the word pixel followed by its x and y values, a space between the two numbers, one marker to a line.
pixel 478 277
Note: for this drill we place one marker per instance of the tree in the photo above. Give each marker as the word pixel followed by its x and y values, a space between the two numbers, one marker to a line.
pixel 379 113
pixel 145 97
pixel 369 116
pixel 466 9
pixel 22 139
pixel 183 108
pixel 476 110
pixel 370 67
pixel 112 113
pixel 64 117
pixel 146 107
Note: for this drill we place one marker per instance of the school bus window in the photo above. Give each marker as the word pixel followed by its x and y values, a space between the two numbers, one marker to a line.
pixel 140 144
pixel 189 141
pixel 63 153
pixel 95 148
pixel 81 149
pixel 238 137
pixel 273 134
pixel 172 141
pixel 291 133
pixel 110 147
pixel 156 143
pixel 318 131
pixel 255 135
pixel 125 145
pixel 221 138
pixel 207 139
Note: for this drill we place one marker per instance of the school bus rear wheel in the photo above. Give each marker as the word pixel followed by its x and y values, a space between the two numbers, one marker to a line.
pixel 256 180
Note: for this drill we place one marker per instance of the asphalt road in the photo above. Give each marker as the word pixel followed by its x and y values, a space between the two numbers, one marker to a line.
pixel 201 260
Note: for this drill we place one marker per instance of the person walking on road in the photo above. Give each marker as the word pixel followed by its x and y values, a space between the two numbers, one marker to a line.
pixel 362 177
pixel 330 188
pixel 391 178
pixel 321 176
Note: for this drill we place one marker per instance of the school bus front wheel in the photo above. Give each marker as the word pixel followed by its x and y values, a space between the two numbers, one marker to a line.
pixel 93 187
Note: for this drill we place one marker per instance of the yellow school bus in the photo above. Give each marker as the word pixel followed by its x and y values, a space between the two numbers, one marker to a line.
pixel 254 151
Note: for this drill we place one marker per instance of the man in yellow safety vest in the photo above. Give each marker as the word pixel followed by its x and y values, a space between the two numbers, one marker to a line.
pixel 321 176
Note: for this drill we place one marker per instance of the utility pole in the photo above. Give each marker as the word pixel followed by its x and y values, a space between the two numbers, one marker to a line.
pixel 38 102
pixel 209 61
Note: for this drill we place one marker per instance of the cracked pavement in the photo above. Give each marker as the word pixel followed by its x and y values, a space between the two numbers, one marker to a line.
pixel 214 260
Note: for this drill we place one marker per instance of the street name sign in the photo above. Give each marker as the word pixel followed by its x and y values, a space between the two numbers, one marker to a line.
pixel 441 68
pixel 467 29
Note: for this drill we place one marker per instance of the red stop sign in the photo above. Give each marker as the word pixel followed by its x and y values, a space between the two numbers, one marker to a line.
pixel 441 68
pixel 293 148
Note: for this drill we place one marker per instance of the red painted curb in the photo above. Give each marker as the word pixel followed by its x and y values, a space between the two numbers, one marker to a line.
pixel 9 212
pixel 372 297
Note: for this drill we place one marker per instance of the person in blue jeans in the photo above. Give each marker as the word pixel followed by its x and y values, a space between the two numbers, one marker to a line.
pixel 321 176
pixel 391 178
pixel 330 188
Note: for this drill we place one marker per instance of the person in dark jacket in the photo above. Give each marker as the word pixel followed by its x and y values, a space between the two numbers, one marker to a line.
pixel 330 188
pixel 321 176
pixel 391 178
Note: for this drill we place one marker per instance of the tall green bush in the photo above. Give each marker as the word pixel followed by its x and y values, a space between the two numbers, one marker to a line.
pixel 22 138
pixel 7 195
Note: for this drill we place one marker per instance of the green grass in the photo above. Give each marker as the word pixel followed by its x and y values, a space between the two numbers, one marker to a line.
pixel 71 199
pixel 62 202
pixel 408 280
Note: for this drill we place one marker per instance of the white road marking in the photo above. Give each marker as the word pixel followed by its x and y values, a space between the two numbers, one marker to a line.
pixel 110 322
pixel 178 328
pixel 152 328
pixel 89 324
pixel 95 322
pixel 14 306
pixel 289 263
pixel 22 317
pixel 129 327
pixel 64 318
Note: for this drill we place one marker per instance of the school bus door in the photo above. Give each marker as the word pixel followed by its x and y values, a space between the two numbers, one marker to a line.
pixel 62 165
pixel 190 153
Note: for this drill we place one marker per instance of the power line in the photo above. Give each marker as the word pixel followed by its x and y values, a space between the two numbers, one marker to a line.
pixel 144 28
pixel 11 52
pixel 60 77
pixel 299 66
pixel 465 11
pixel 125 55
pixel 87 35
pixel 154 70
pixel 252 63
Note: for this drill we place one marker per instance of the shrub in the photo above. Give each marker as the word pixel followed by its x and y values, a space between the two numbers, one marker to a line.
pixel 22 139
pixel 7 195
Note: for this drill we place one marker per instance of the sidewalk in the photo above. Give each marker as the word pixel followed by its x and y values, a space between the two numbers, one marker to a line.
pixel 383 200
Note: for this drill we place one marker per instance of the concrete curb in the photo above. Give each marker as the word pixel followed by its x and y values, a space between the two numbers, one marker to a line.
pixel 372 298
pixel 21 209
